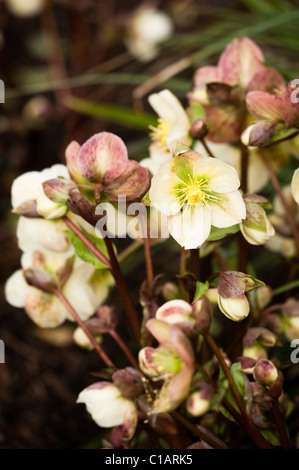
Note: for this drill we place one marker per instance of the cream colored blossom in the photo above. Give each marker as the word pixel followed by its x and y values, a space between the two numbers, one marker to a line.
pixel 25 8
pixel 108 408
pixel 196 193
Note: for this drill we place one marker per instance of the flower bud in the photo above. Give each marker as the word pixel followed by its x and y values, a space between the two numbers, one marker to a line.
pixel 256 228
pixel 235 309
pixel 129 382
pixel 192 319
pixel 199 129
pixel 82 340
pixel 199 401
pixel 170 291
pixel 295 186
pixel 265 372
pixel 25 9
pixel 263 296
pixel 255 352
pixel 247 364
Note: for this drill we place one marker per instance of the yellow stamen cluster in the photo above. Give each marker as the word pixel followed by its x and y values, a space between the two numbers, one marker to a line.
pixel 194 192
pixel 159 133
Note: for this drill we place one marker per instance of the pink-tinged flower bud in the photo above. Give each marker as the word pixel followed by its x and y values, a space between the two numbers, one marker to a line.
pixel 103 322
pixel 199 129
pixel 263 296
pixel 255 352
pixel 265 372
pixel 101 165
pixel 256 228
pixel 256 341
pixel 231 299
pixel 247 364
pixel 192 319
pixel 108 408
pixel 199 401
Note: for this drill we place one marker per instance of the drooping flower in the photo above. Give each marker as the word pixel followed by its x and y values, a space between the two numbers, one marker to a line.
pixel 199 401
pixel 276 114
pixel 221 89
pixel 172 361
pixel 196 193
pixel 27 192
pixel 102 170
pixel 83 287
pixel 192 319
pixel 256 228
pixel 108 408
pixel 146 29
pixel 265 372
pixel 231 294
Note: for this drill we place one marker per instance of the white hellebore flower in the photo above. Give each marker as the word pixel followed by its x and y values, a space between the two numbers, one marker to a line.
pixel 295 185
pixel 84 289
pixel 230 154
pixel 28 187
pixel 108 408
pixel 173 124
pixel 196 193
pixel 146 29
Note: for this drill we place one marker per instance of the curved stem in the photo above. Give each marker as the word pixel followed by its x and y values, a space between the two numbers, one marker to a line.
pixel 124 347
pixel 87 242
pixel 207 148
pixel 80 322
pixel 148 263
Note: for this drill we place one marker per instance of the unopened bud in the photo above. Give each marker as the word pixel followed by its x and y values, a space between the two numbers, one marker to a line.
pixel 199 129
pixel 265 372
pixel 235 309
pixel 199 401
pixel 82 340
pixel 170 291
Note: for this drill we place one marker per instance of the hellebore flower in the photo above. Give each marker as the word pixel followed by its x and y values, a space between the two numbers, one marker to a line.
pixel 108 408
pixel 256 228
pixel 102 170
pixel 221 89
pixel 295 185
pixel 82 286
pixel 172 361
pixel 265 372
pixel 192 319
pixel 146 29
pixel 196 193
pixel 28 197
pixel 231 294
pixel 276 114
pixel 256 342
pixel 199 401
pixel 173 124
pixel 25 9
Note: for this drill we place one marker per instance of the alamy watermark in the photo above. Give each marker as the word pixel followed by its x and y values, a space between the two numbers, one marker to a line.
pixel 2 91
pixel 295 92
pixel 295 354
pixel 2 352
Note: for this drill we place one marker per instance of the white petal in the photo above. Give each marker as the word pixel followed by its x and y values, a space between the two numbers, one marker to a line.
pixel 25 188
pixel 47 208
pixel 17 289
pixel 222 177
pixel 40 235
pixel 228 210
pixel 158 156
pixel 45 310
pixel 106 406
pixel 191 227
pixel 162 194
pixel 167 106
pixel 257 173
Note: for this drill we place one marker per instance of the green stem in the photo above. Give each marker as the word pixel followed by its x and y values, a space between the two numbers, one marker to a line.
pixel 207 148
pixel 280 425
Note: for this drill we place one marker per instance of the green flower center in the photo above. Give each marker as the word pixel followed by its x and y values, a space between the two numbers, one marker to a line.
pixel 194 191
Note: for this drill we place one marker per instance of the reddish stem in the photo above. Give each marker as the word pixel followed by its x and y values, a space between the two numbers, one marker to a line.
pixel 76 317
pixel 124 347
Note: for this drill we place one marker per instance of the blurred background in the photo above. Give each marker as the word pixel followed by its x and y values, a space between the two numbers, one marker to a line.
pixel 71 69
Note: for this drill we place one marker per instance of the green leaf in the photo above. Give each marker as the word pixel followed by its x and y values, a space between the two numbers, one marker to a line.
pixel 146 199
pixel 219 233
pixel 83 252
pixel 112 113
pixel 200 290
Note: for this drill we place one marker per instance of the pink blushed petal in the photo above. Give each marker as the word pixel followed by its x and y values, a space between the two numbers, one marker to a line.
pixel 207 74
pixel 102 154
pixel 132 183
pixel 240 61
pixel 290 107
pixel 263 105
pixel 71 155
